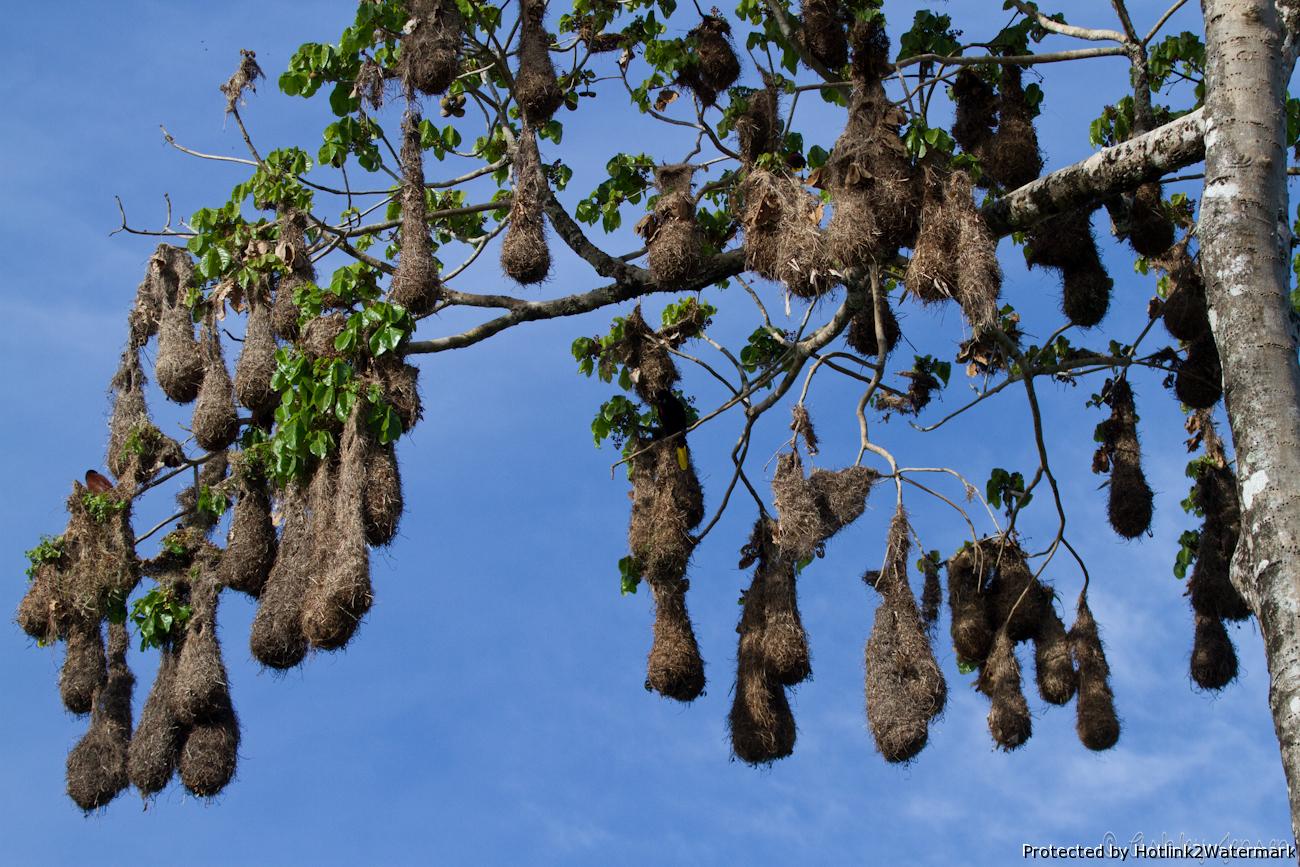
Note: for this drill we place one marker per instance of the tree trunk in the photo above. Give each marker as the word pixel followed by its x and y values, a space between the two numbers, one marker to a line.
pixel 1245 243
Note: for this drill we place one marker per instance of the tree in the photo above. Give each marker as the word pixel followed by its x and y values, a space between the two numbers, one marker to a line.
pixel 328 401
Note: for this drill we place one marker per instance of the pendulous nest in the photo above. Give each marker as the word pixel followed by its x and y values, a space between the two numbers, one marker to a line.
pixel 537 90
pixel 382 501
pixel 674 669
pixel 1065 243
pixel 1097 725
pixel 976 112
pixel 969 601
pixel 415 281
pixel 251 542
pixel 209 754
pixel 216 422
pixel 758 128
pixel 291 248
pixel 179 366
pixel 1012 157
pixel 97 765
pixel 1211 592
pixel 1130 504
pixel 400 383
pixel 525 257
pixel 256 362
pixel 812 509
pixel 863 335
pixel 200 689
pixel 823 32
pixel 1149 230
pixel 318 335
pixel 1199 381
pixel 713 65
pixel 339 593
pixel 99 561
pixel 1214 659
pixel 430 55
pixel 276 639
pixel 999 679
pixel 782 238
pixel 905 688
pixel 135 445
pixel 874 208
pixel 1186 312
pixel 156 743
pixel 85 667
pixel 672 235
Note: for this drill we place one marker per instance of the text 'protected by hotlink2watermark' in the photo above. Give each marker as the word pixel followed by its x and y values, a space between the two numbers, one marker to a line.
pixel 1183 848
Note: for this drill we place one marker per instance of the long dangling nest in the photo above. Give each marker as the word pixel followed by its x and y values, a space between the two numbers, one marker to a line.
pixel 674 669
pixel 672 235
pixel 537 90
pixel 525 257
pixel 968 598
pixel 291 248
pixel 1097 725
pixel 1065 242
pixel 339 594
pixel 823 32
pixel 400 383
pixel 209 754
pixel 758 128
pixel 870 52
pixel 97 765
pixel 415 282
pixel 135 445
pixel 862 334
pixel 146 310
pixel 256 362
pixel 811 510
pixel 1150 231
pixel 85 668
pixel 1214 659
pixel 869 176
pixel 1012 158
pixel 905 688
pixel 999 679
pixel 712 66
pixel 1199 381
pixel 276 639
pixel 216 422
pixel 979 276
pixel 179 366
pixel 155 746
pixel 1211 592
pixel 99 562
pixel 1053 665
pixel 782 238
pixel 761 723
pixel 251 544
pixel 931 274
pixel 976 113
pixel 431 47
pixel 200 686
pixel 382 501
pixel 1186 312
pixel 1130 502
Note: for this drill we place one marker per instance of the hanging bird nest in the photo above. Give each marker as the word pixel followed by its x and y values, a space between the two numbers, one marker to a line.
pixel 525 256
pixel 251 543
pixel 823 32
pixel 1065 243
pixel 1097 725
pixel 430 46
pixel 712 66
pixel 1130 503
pixel 999 679
pixel 256 364
pixel 1186 311
pixel 216 421
pixel 976 112
pixel 291 249
pixel 276 639
pixel 537 90
pixel 783 241
pixel 155 745
pixel 415 281
pixel 1012 158
pixel 1199 381
pixel 97 765
pixel 179 365
pixel 672 235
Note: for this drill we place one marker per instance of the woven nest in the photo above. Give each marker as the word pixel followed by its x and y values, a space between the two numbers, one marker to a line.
pixel 758 128
pixel 216 422
pixel 97 765
pixel 1130 503
pixel 179 367
pixel 135 445
pixel 339 593
pixel 525 257
pixel 209 754
pixel 968 599
pixel 415 281
pixel 537 90
pixel 85 667
pixel 667 503
pixel 276 639
pixel 382 502
pixel 1066 243
pixel 1214 659
pixel 256 363
pixel 813 509
pixel 674 668
pixel 713 65
pixel 1211 592
pixel 823 32
pixel 251 542
pixel 430 55
pixel 782 238
pixel 1053 665
pixel 976 112
pixel 98 561
pixel 999 679
pixel 1097 724
pixel 400 383
pixel 863 334
pixel 905 688
pixel 672 235
pixel 1186 311
pixel 1199 381
pixel 155 745
pixel 291 248
pixel 200 687
pixel 1012 158
pixel 1149 230
pixel 869 175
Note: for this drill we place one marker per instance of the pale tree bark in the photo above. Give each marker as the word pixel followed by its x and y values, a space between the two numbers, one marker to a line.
pixel 1245 243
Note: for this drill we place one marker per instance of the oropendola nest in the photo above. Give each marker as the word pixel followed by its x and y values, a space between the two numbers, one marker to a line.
pixel 415 281
pixel 905 688
pixel 672 235
pixel 537 90
pixel 812 509
pixel 256 362
pixel 431 49
pixel 999 679
pixel 1012 157
pixel 823 32
pixel 179 365
pixel 976 112
pixel 674 668
pixel 1199 381
pixel 400 384
pixel 1214 659
pixel 155 745
pixel 216 422
pixel 97 765
pixel 291 248
pixel 525 257
pixel 1065 242
pixel 200 687
pixel 276 639
pixel 339 593
pixel 862 335
pixel 135 445
pixel 382 502
pixel 209 754
pixel 1149 229
pixel 761 722
pixel 713 65
pixel 1130 502
pixel 85 668
pixel 782 239
pixel 251 542
pixel 758 128
pixel 1211 591
pixel 1186 312
pixel 1097 725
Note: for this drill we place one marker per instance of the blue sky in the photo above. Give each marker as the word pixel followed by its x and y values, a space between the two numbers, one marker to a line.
pixel 491 709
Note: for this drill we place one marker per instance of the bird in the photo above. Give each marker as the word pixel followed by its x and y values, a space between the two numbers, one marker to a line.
pixel 97 482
